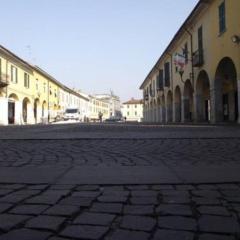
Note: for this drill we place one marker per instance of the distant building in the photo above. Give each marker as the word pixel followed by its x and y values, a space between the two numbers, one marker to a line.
pixel 96 107
pixel 114 103
pixel 132 110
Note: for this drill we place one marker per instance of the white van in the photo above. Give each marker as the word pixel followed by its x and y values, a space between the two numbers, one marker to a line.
pixel 71 114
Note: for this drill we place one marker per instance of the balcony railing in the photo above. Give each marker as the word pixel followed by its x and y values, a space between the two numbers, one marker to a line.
pixel 197 58
pixel 4 80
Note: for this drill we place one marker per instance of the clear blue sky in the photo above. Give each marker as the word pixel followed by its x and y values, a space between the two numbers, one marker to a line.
pixel 93 45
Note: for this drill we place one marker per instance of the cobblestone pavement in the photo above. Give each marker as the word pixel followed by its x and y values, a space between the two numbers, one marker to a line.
pixel 114 186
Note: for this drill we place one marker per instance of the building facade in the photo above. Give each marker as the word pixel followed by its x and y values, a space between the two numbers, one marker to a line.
pixel 197 78
pixel 29 95
pixel 97 107
pixel 132 110
pixel 114 103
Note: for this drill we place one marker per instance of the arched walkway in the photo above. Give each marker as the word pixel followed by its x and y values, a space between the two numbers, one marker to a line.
pixel 188 101
pixel 163 106
pixel 226 94
pixel 12 99
pixel 159 118
pixel 44 109
pixel 203 97
pixel 37 110
pixel 26 108
pixel 177 102
pixel 169 106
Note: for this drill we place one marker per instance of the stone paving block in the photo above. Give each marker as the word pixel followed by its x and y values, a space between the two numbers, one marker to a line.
pixel 215 237
pixel 45 222
pixel 162 187
pixel 56 192
pixel 177 223
pixel 173 235
pixel 91 194
pixel 28 192
pixel 37 186
pixel 144 200
pixel 185 187
pixel 87 188
pixel 4 207
pixel 8 221
pixel 218 224
pixel 120 234
pixel 12 186
pixel 176 199
pixel 25 234
pixel 107 207
pixel 58 238
pixel 207 193
pixel 44 199
pixel 61 187
pixel 231 193
pixel 174 209
pixel 88 218
pixel 207 186
pixel 62 210
pixel 29 209
pixel 77 201
pixel 112 199
pixel 206 201
pixel 13 198
pixel 138 209
pixel 214 210
pixel 138 187
pixel 5 191
pixel 84 232
pixel 144 193
pixel 138 223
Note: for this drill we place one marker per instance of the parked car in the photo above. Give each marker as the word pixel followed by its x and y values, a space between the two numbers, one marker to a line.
pixel 71 114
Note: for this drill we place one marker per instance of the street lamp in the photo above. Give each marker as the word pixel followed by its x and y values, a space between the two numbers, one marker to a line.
pixel 235 39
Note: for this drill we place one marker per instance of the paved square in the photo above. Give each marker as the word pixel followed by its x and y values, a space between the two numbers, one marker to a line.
pixel 119 181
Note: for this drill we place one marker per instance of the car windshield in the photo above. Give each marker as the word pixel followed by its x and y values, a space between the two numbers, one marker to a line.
pixel 71 110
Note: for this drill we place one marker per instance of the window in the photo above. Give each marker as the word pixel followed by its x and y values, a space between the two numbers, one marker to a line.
pixel 160 80
pixel 55 93
pixel 127 106
pixel 37 84
pixel 185 53
pixel 44 87
pixel 14 74
pixel 135 113
pixel 128 113
pixel 26 80
pixel 167 74
pixel 222 17
pixel 135 106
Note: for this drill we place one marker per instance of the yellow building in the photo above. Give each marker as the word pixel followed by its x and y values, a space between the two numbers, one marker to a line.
pixel 29 95
pixel 197 78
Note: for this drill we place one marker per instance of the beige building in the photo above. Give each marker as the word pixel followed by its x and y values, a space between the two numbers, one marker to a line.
pixel 197 78
pixel 29 95
pixel 132 110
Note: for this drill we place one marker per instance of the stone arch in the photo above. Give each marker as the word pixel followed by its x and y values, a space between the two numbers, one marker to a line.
pixel 26 108
pixel 12 99
pixel 169 106
pixel 188 101
pixel 226 92
pixel 202 97
pixel 177 102
pixel 163 106
pixel 37 110
pixel 44 109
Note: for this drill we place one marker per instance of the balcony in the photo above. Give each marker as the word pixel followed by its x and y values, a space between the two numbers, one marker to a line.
pixel 4 80
pixel 197 58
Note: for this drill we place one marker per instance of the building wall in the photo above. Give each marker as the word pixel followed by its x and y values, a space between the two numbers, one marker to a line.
pixel 206 92
pixel 133 112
